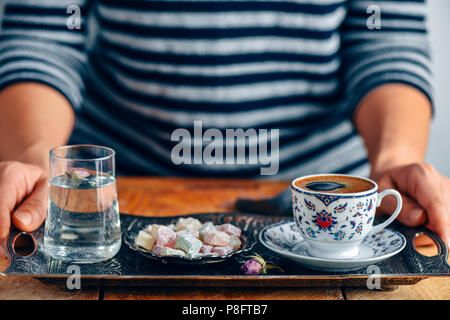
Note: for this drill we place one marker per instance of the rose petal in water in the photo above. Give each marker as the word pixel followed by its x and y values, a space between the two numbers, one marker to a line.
pixel 80 172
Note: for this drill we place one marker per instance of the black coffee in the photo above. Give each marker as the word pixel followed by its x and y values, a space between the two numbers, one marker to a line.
pixel 324 186
pixel 335 184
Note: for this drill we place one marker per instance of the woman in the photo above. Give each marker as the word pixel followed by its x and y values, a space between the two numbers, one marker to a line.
pixel 345 84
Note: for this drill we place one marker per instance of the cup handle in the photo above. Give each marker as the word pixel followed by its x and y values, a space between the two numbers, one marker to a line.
pixel 380 197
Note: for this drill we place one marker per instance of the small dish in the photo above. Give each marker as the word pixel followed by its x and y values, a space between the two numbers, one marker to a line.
pixel 284 239
pixel 248 240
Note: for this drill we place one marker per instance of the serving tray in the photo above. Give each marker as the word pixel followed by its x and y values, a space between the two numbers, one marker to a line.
pixel 129 267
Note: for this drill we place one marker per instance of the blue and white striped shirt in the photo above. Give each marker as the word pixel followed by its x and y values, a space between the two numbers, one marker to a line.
pixel 300 66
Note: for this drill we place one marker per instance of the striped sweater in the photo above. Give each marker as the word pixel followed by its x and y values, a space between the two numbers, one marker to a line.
pixel 151 67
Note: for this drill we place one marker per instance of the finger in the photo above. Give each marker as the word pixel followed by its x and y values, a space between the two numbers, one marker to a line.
pixel 418 182
pixel 16 182
pixel 5 222
pixel 411 214
pixel 438 212
pixel 426 186
pixel 32 211
pixel 439 221
pixel 8 198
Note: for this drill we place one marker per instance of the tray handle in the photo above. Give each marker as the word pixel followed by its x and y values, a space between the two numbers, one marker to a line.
pixel 423 264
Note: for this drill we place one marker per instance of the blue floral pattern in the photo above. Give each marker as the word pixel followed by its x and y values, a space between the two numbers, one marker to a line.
pixel 340 208
pixel 383 242
pixel 359 228
pixel 339 235
pixel 310 205
pixel 310 232
pixel 325 215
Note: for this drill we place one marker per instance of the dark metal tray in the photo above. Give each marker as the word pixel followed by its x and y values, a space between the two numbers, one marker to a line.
pixel 129 267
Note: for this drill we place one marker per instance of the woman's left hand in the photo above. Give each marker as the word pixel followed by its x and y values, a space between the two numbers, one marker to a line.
pixel 425 193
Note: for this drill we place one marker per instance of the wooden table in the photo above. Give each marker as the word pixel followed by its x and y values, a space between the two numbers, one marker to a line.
pixel 175 196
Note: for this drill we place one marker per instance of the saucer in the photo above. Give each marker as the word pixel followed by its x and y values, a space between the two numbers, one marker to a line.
pixel 284 239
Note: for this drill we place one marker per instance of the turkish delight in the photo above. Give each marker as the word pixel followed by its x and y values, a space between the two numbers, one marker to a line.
pixel 207 226
pixel 235 242
pixel 166 251
pixel 188 244
pixel 223 251
pixel 188 237
pixel 230 229
pixel 206 249
pixel 216 238
pixel 193 233
pixel 153 229
pixel 188 223
pixel 144 240
pixel 166 237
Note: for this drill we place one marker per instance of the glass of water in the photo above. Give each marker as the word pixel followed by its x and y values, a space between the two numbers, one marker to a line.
pixel 83 224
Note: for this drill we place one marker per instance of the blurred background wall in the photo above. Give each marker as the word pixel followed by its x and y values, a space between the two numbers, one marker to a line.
pixel 439 28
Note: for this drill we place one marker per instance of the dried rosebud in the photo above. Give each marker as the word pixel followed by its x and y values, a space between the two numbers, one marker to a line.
pixel 251 266
pixel 257 265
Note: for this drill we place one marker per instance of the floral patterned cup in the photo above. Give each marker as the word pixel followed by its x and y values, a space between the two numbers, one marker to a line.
pixel 334 224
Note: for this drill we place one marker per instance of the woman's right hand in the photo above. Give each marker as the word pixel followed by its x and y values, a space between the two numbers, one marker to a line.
pixel 23 196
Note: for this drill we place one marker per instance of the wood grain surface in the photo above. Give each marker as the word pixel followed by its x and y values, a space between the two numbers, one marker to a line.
pixel 175 196
pixel 27 288
pixel 228 293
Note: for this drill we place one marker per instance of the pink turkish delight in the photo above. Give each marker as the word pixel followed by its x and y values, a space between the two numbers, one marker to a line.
pixel 205 249
pixel 166 237
pixel 230 229
pixel 217 238
pixel 154 228
pixel 223 251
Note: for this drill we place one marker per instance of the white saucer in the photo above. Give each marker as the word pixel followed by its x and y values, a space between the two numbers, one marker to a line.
pixel 284 239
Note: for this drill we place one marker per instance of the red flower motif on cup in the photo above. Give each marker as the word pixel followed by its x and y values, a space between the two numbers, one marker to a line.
pixel 324 220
